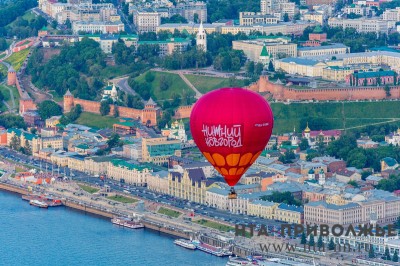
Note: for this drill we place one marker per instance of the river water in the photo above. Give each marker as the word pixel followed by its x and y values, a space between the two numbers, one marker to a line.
pixel 62 236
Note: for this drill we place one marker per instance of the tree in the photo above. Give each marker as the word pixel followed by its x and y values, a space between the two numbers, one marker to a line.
pixel 271 66
pixel 1 97
pixel 15 142
pixel 303 239
pixel 113 141
pixel 398 223
pixel 304 144
pixel 353 183
pixel 371 252
pixel 387 90
pixel 54 24
pixel 250 68
pixel 48 109
pixel 282 197
pixel 68 23
pixel 331 245
pixel 196 18
pixel 104 108
pixel 320 243
pixel 386 256
pixel 116 112
pixel 164 83
pixel 27 148
pixel 149 77
pixel 286 17
pixel 395 256
pixel 311 241
pixel 365 174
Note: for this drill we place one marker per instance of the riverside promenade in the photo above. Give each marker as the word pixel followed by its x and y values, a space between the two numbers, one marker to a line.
pixel 74 197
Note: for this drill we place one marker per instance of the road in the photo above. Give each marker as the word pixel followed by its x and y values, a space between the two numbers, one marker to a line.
pixel 143 192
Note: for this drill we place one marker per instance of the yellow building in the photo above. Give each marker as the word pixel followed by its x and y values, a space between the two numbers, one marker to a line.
pixel 53 121
pixel 97 165
pixel 314 16
pixel 336 199
pixel 253 48
pixel 158 182
pixel 187 27
pixel 127 172
pixel 22 138
pixel 191 185
pixel 158 150
pixel 76 162
pixel 55 142
pixel 289 213
pixel 261 208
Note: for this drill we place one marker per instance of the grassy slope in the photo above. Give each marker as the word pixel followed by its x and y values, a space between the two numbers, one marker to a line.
pixel 357 113
pixel 178 86
pixel 7 97
pixel 16 59
pixel 205 84
pixel 95 120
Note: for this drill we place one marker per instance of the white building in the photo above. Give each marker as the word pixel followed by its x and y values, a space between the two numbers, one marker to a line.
pixel 363 24
pixel 146 20
pixel 392 14
pixel 176 131
pixel 97 27
pixel 393 138
pixel 201 38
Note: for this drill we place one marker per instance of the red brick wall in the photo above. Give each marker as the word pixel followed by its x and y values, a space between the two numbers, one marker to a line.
pixel 281 92
pixel 317 37
pixel 183 112
pixel 11 78
pixel 94 107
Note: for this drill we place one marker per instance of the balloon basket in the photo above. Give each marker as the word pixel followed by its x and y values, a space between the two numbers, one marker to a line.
pixel 232 194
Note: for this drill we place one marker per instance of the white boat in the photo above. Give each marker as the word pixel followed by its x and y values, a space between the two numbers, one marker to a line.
pixel 216 251
pixel 38 203
pixel 185 243
pixel 237 261
pixel 127 223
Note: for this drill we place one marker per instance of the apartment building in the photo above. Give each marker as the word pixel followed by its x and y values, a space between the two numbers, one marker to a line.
pixel 251 18
pixel 363 24
pixel 392 14
pixel 127 172
pixel 97 27
pixel 169 46
pixel 253 48
pixel 146 20
pixel 331 49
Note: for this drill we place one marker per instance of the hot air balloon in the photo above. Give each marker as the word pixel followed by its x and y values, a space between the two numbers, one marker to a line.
pixel 231 127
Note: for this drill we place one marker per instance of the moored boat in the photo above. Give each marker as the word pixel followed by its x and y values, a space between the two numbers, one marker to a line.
pixel 185 243
pixel 216 251
pixel 127 223
pixel 38 203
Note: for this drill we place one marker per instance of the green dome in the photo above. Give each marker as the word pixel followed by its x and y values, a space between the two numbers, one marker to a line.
pixel 311 172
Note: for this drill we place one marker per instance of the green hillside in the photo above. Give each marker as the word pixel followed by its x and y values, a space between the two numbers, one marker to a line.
pixel 288 116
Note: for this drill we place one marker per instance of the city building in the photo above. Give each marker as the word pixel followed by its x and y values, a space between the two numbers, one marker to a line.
pixel 19 138
pixel 261 50
pixel 191 185
pixel 193 11
pixel 176 131
pixel 264 209
pixel 391 14
pixel 251 18
pixel 363 24
pixel 98 165
pixel 314 16
pixel 158 182
pixel 201 38
pixel 330 49
pixel 97 27
pixel 289 213
pixel 372 78
pixel 389 163
pixel 127 172
pixel 158 150
pixel 146 20
pixel 324 136
pixel 53 121
pixel 169 46
pixel 360 10
pixel 393 138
